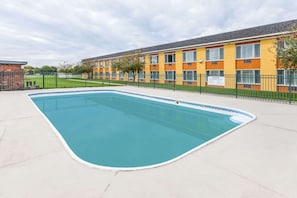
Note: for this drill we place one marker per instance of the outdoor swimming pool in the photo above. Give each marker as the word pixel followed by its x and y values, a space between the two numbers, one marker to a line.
pixel 129 131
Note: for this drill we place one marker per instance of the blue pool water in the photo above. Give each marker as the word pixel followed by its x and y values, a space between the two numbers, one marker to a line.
pixel 116 130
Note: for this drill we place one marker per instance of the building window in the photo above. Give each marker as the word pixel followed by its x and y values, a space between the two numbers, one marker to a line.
pixel 121 74
pixel 154 75
pixel 283 77
pixel 189 56
pixel 130 60
pixel 154 59
pixel 215 54
pixel 106 63
pixel 189 75
pixel 170 75
pixel 130 75
pixel 170 58
pixel 248 76
pixel 113 62
pixel 141 75
pixel 106 74
pixel 141 59
pixel 114 74
pixel 101 64
pixel 214 73
pixel 248 51
pixel 101 74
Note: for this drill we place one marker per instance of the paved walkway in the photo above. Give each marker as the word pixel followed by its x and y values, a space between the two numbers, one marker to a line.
pixel 255 161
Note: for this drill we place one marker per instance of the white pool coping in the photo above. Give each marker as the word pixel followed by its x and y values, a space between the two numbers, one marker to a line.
pixel 236 115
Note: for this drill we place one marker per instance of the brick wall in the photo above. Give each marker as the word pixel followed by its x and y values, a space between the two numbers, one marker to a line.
pixel 10 68
pixel 11 77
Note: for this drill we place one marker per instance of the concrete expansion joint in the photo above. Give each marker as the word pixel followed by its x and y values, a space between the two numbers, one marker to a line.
pixel 109 184
pixel 19 118
pixel 246 178
pixel 2 131
pixel 38 157
pixel 278 127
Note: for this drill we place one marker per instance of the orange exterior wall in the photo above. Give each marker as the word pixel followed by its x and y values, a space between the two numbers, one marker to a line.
pixel 219 65
pixel 254 64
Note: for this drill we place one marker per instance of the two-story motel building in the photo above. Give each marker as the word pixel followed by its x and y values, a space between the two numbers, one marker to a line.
pixel 248 54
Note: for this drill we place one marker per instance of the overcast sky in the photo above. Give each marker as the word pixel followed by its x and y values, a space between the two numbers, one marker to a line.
pixel 49 32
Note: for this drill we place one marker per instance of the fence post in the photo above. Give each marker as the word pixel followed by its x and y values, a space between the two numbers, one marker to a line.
pixel 236 85
pixel 200 88
pixel 290 86
pixel 43 80
pixel 56 79
pixel 174 85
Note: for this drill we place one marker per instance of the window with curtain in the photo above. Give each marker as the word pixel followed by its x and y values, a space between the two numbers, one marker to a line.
pixel 130 75
pixel 283 77
pixel 248 51
pixel 189 56
pixel 169 75
pixel 169 58
pixel 114 74
pixel 248 76
pixel 154 59
pixel 154 75
pixel 215 54
pixel 121 74
pixel 141 75
pixel 189 75
pixel 107 63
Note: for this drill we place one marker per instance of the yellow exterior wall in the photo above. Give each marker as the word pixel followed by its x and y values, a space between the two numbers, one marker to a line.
pixel 268 64
pixel 179 67
pixel 229 65
pixel 268 57
pixel 161 67
pixel 147 67
pixel 201 68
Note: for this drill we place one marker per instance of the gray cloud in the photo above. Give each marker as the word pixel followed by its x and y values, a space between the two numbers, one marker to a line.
pixel 52 31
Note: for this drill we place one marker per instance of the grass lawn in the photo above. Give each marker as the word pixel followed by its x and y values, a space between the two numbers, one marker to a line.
pixel 51 81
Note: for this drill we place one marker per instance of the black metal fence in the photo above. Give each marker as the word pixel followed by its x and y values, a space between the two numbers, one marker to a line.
pixel 48 80
pixel 280 88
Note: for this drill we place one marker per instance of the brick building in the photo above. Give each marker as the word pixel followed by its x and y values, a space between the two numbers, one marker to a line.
pixel 11 75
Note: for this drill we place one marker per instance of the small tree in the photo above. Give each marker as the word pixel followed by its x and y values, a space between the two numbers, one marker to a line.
pixel 287 49
pixel 130 63
pixel 87 68
pixel 48 69
pixel 65 68
pixel 287 53
pixel 29 69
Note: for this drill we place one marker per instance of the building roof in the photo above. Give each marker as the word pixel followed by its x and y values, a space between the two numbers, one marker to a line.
pixel 244 34
pixel 5 62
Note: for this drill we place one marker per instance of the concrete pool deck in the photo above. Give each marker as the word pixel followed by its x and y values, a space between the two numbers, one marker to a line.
pixel 257 160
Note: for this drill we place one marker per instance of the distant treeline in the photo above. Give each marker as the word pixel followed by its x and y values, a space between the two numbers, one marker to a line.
pixel 65 68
